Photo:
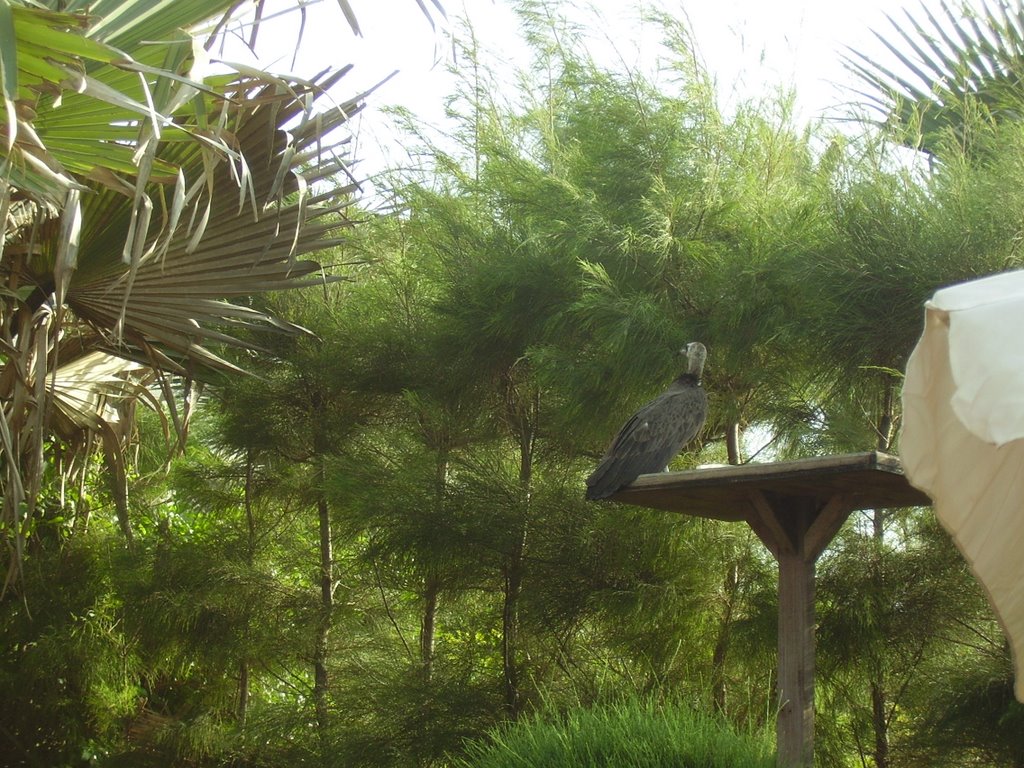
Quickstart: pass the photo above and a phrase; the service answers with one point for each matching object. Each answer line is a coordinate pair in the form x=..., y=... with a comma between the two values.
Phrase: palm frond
x=140, y=208
x=259, y=223
x=946, y=65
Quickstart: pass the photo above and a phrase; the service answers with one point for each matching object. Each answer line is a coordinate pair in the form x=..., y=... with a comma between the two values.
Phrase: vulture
x=656, y=432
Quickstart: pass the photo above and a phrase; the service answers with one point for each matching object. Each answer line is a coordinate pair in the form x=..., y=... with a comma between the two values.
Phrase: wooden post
x=796, y=531
x=794, y=728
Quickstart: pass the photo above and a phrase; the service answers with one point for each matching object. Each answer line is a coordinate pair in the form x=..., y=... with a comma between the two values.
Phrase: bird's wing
x=685, y=415
x=638, y=430
x=660, y=429
x=649, y=440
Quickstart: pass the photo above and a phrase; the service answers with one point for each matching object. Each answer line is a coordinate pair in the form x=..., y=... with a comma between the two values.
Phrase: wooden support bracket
x=764, y=521
x=826, y=525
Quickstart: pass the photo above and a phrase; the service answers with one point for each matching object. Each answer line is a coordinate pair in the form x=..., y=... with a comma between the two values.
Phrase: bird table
x=795, y=508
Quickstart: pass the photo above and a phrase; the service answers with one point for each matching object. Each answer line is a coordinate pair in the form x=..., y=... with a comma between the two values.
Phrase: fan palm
x=139, y=207
x=949, y=65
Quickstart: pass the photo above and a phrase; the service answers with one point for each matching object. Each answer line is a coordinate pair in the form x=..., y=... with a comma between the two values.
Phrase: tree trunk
x=879, y=697
x=243, y=692
x=510, y=627
x=729, y=587
x=117, y=481
x=879, y=721
x=721, y=652
x=513, y=574
x=320, y=678
x=732, y=442
x=431, y=590
x=879, y=725
x=888, y=419
x=82, y=506
x=515, y=561
x=250, y=557
x=432, y=580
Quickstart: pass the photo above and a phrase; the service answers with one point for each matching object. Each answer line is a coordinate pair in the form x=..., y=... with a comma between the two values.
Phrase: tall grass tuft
x=633, y=734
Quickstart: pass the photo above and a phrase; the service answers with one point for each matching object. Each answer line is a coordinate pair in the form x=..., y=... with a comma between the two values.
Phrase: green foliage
x=633, y=734
x=971, y=713
x=69, y=673
x=432, y=431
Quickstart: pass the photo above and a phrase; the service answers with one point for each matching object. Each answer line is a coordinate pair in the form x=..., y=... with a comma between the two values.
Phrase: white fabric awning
x=962, y=440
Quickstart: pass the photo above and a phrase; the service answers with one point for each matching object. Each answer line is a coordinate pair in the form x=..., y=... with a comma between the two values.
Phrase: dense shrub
x=629, y=735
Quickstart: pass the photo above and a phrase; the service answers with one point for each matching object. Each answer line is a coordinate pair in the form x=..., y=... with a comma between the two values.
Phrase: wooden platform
x=868, y=480
x=795, y=508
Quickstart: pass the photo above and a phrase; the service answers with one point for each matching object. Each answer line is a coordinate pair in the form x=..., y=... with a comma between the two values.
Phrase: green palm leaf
x=58, y=82
x=947, y=65
x=140, y=208
x=176, y=295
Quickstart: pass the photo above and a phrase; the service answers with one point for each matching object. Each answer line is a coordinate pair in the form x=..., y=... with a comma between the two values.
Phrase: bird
x=655, y=433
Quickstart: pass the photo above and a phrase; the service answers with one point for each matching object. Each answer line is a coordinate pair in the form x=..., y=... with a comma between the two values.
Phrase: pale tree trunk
x=879, y=690
x=243, y=709
x=732, y=442
x=514, y=569
x=879, y=723
x=888, y=418
x=432, y=580
x=118, y=483
x=730, y=588
x=510, y=625
x=320, y=652
x=250, y=556
x=431, y=591
x=82, y=506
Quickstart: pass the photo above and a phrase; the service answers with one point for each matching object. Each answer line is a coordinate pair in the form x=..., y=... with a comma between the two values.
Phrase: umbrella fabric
x=962, y=440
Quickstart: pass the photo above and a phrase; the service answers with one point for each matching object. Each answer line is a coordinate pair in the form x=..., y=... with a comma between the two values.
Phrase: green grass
x=629, y=735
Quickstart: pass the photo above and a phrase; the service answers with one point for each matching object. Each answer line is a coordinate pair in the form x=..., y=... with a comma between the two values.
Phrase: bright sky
x=750, y=46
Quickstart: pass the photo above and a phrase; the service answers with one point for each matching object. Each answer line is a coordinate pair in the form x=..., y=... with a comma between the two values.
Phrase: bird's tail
x=601, y=484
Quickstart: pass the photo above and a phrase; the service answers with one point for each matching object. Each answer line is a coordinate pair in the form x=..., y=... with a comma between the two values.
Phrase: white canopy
x=962, y=441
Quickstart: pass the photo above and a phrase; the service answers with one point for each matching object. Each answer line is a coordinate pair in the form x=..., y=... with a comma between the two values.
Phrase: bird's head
x=696, y=354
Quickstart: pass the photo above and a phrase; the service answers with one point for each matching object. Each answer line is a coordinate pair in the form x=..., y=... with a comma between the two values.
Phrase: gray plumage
x=657, y=432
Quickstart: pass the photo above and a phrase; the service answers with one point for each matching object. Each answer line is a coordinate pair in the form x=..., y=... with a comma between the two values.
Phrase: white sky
x=750, y=46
